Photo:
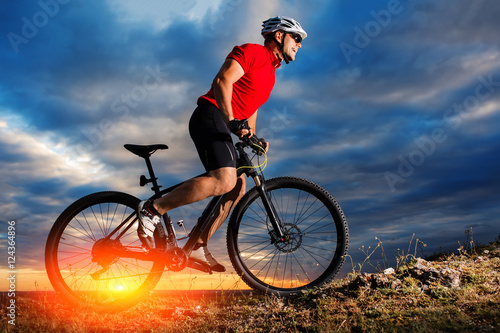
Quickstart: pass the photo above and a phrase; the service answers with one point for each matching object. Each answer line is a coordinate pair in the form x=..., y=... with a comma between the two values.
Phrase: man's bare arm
x=230, y=72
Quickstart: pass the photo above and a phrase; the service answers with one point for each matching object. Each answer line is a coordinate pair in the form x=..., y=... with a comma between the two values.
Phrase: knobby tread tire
x=286, y=183
x=53, y=241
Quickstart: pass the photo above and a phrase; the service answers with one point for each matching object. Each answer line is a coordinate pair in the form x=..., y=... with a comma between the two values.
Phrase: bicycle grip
x=255, y=141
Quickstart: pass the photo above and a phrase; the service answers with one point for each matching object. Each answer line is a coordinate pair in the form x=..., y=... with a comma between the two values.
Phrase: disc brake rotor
x=292, y=238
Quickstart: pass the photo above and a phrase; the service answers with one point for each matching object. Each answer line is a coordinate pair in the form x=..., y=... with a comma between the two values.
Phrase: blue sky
x=392, y=106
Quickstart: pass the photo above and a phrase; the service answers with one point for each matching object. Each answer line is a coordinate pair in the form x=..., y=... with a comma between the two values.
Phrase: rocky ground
x=451, y=293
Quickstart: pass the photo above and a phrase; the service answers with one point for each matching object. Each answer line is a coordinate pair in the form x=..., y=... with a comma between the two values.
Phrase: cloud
x=96, y=75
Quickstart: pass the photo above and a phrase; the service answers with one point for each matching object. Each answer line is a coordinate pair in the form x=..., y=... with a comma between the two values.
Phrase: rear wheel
x=314, y=246
x=80, y=260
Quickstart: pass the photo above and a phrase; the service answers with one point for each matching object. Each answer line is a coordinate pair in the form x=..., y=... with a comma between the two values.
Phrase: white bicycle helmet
x=284, y=23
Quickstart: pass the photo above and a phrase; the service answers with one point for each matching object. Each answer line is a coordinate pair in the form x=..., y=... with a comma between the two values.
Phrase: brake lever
x=255, y=141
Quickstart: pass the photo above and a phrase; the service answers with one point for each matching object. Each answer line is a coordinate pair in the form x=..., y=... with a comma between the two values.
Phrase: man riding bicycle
x=242, y=85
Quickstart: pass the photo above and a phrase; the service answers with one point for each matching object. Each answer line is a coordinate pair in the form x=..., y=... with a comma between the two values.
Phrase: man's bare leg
x=219, y=217
x=230, y=200
x=217, y=182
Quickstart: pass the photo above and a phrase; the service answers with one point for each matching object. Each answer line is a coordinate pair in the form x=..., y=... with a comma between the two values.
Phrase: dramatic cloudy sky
x=393, y=106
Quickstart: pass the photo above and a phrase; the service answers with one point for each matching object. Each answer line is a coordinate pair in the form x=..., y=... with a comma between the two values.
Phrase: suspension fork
x=276, y=234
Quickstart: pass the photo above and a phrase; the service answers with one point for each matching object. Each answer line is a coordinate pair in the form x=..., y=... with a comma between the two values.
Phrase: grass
x=347, y=305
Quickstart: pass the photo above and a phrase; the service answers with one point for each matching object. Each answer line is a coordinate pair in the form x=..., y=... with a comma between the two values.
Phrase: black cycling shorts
x=212, y=137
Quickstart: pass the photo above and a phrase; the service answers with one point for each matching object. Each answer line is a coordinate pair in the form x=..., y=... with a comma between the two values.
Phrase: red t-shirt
x=254, y=87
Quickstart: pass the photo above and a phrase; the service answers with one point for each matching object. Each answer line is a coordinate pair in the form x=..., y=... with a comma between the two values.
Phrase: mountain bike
x=286, y=235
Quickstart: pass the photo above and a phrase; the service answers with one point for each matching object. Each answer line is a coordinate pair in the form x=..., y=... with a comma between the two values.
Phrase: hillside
x=452, y=293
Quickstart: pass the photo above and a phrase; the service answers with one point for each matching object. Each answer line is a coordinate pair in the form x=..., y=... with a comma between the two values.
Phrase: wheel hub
x=103, y=252
x=292, y=238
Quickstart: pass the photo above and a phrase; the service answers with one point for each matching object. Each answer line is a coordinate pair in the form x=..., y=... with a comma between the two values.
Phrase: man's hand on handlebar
x=247, y=135
x=253, y=140
x=245, y=132
x=240, y=127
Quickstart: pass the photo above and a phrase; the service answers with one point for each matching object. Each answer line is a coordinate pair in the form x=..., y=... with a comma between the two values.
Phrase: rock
x=479, y=259
x=378, y=280
x=427, y=274
x=450, y=278
x=396, y=284
x=362, y=280
x=389, y=271
x=421, y=264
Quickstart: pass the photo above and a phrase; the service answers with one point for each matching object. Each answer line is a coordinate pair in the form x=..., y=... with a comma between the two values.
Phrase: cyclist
x=242, y=85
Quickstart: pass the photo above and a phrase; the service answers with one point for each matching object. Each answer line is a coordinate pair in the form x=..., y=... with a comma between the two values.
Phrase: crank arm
x=192, y=263
x=152, y=255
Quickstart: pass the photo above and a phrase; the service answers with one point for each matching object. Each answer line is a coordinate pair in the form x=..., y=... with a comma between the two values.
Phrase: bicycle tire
x=68, y=254
x=312, y=255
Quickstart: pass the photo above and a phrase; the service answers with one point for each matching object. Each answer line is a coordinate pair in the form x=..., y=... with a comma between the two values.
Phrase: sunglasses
x=297, y=38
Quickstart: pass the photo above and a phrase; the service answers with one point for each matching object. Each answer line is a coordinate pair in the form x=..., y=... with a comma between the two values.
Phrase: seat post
x=153, y=178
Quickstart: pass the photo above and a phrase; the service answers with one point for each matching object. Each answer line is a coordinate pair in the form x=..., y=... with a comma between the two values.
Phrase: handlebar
x=258, y=145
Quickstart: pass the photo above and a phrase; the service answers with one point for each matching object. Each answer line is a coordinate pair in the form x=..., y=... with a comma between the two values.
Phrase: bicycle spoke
x=84, y=229
x=77, y=247
x=255, y=236
x=91, y=230
x=99, y=224
x=313, y=256
x=317, y=238
x=253, y=255
x=73, y=273
x=302, y=268
x=262, y=215
x=312, y=225
x=267, y=264
x=251, y=226
x=90, y=240
x=251, y=247
x=73, y=256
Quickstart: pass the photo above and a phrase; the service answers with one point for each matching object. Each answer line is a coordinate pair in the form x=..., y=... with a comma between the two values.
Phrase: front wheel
x=80, y=256
x=313, y=249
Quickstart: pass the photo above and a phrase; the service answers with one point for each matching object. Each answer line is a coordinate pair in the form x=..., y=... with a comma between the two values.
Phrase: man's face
x=291, y=46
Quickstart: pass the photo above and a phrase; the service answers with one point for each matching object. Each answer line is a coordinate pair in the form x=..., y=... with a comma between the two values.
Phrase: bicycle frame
x=245, y=166
x=214, y=204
